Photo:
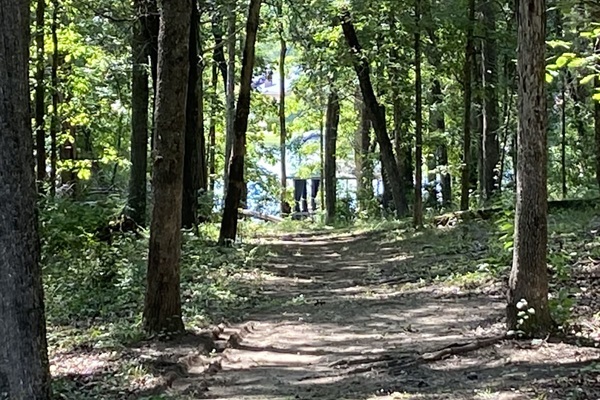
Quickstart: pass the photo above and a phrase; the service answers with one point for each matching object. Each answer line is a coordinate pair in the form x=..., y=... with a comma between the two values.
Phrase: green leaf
x=558, y=43
x=577, y=62
x=596, y=97
x=549, y=78
x=587, y=79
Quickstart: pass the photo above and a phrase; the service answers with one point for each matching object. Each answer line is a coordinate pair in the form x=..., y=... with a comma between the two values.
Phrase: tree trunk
x=402, y=141
x=192, y=149
x=332, y=121
x=468, y=68
x=363, y=162
x=230, y=93
x=219, y=52
x=597, y=119
x=528, y=279
x=162, y=310
x=563, y=144
x=40, y=93
x=377, y=116
x=438, y=124
x=212, y=130
x=24, y=369
x=282, y=127
x=236, y=169
x=491, y=125
x=418, y=210
x=54, y=123
x=152, y=24
x=136, y=200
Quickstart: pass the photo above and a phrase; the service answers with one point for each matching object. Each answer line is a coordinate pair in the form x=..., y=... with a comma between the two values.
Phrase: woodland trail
x=349, y=310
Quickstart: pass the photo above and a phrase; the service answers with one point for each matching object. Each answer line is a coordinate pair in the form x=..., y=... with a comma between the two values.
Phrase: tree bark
x=528, y=279
x=230, y=92
x=468, y=68
x=212, y=130
x=563, y=144
x=376, y=115
x=152, y=24
x=236, y=169
x=192, y=161
x=40, y=93
x=332, y=121
x=162, y=310
x=363, y=162
x=282, y=116
x=597, y=118
x=418, y=206
x=491, y=125
x=54, y=123
x=136, y=200
x=24, y=369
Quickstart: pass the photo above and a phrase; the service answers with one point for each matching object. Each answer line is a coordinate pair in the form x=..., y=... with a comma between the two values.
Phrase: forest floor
x=360, y=315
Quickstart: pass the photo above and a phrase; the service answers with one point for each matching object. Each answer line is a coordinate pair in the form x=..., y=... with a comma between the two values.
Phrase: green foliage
x=95, y=290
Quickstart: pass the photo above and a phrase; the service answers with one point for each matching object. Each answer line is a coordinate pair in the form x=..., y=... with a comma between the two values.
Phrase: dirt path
x=343, y=300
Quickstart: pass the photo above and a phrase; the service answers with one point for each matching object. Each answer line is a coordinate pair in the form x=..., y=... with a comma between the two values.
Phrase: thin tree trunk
x=332, y=121
x=364, y=164
x=563, y=146
x=40, y=93
x=491, y=152
x=418, y=210
x=438, y=124
x=24, y=369
x=377, y=117
x=230, y=92
x=152, y=24
x=219, y=52
x=192, y=149
x=136, y=200
x=212, y=131
x=162, y=309
x=528, y=283
x=507, y=121
x=282, y=127
x=468, y=68
x=597, y=119
x=236, y=171
x=54, y=123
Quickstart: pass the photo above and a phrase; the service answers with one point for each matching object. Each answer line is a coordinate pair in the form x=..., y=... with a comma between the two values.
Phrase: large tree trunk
x=136, y=200
x=54, y=123
x=418, y=210
x=491, y=125
x=230, y=116
x=192, y=152
x=332, y=121
x=40, y=93
x=528, y=279
x=376, y=115
x=24, y=370
x=236, y=169
x=162, y=310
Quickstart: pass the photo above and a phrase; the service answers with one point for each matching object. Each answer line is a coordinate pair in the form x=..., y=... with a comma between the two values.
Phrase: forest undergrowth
x=95, y=292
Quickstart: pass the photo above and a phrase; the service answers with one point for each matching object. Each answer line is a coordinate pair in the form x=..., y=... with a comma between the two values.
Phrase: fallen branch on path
x=460, y=348
x=264, y=217
x=394, y=363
